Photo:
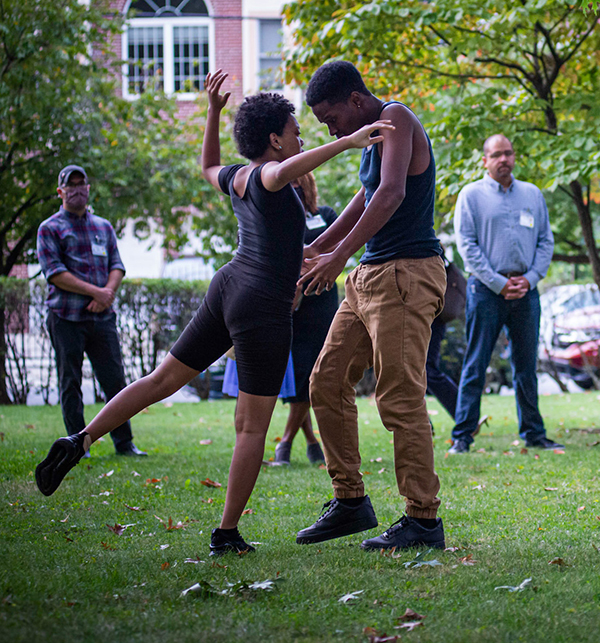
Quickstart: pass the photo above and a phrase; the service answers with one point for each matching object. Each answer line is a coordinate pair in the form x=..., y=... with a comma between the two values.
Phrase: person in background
x=504, y=236
x=312, y=318
x=78, y=253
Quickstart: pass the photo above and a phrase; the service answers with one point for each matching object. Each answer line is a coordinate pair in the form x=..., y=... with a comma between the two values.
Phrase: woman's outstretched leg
x=65, y=453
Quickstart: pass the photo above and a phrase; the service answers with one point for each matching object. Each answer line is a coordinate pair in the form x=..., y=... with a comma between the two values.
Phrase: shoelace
x=395, y=526
x=327, y=509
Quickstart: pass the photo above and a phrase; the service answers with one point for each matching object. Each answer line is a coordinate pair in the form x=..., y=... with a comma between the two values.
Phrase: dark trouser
x=100, y=341
x=438, y=383
x=486, y=314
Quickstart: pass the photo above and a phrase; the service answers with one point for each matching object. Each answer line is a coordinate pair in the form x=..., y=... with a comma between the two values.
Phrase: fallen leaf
x=322, y=466
x=559, y=451
x=165, y=566
x=210, y=483
x=135, y=473
x=558, y=561
x=452, y=549
x=481, y=451
x=277, y=439
x=116, y=528
x=375, y=637
x=581, y=508
x=507, y=453
x=411, y=615
x=107, y=475
x=417, y=562
x=107, y=546
x=165, y=546
x=65, y=518
x=550, y=488
x=205, y=442
x=381, y=470
x=133, y=508
x=366, y=473
x=595, y=444
x=524, y=451
x=194, y=561
x=350, y=597
x=105, y=493
x=536, y=456
x=208, y=501
x=410, y=626
x=29, y=426
x=515, y=443
x=519, y=588
x=247, y=511
x=479, y=487
x=467, y=560
x=376, y=459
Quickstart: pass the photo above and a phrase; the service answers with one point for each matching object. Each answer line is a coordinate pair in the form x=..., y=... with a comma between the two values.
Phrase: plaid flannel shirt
x=84, y=246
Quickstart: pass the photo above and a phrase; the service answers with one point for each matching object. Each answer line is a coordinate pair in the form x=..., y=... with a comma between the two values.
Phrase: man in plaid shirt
x=79, y=257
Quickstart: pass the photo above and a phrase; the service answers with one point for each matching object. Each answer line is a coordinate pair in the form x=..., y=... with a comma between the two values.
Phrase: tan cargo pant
x=384, y=322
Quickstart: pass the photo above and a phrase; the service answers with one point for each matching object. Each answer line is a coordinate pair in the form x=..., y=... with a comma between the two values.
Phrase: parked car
x=570, y=332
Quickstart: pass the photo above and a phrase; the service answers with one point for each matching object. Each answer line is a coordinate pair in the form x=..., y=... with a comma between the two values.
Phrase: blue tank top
x=409, y=232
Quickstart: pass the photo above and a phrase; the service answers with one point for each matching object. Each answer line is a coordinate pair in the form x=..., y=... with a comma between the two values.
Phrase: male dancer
x=392, y=298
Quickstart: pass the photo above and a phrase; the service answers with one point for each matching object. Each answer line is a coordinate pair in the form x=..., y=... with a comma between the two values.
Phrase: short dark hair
x=334, y=82
x=258, y=117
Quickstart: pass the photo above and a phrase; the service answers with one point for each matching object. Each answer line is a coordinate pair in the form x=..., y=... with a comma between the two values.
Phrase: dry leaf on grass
x=107, y=475
x=410, y=615
x=559, y=451
x=247, y=511
x=467, y=560
x=205, y=442
x=165, y=566
x=524, y=451
x=65, y=518
x=515, y=443
x=210, y=483
x=410, y=626
x=537, y=456
x=194, y=561
x=208, y=501
x=107, y=546
x=346, y=598
x=558, y=561
x=581, y=508
x=164, y=546
x=133, y=508
x=518, y=588
x=381, y=470
x=118, y=529
x=550, y=488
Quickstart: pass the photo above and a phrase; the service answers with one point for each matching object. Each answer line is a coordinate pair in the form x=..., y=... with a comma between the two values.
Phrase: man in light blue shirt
x=504, y=237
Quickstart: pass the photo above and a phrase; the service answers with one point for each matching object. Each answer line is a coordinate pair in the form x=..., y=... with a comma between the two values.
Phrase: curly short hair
x=334, y=82
x=258, y=117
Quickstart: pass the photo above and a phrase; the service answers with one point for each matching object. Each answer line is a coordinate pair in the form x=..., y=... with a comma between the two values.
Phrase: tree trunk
x=4, y=398
x=587, y=228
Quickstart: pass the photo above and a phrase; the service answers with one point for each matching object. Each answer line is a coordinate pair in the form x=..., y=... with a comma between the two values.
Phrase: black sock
x=228, y=532
x=351, y=502
x=428, y=523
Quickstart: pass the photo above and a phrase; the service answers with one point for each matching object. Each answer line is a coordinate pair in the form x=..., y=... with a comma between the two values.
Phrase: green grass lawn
x=64, y=576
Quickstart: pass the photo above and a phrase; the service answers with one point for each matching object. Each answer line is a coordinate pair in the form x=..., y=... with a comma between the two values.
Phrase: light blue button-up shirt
x=503, y=230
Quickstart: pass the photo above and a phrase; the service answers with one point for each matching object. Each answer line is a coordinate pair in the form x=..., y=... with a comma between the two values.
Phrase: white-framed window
x=269, y=53
x=168, y=46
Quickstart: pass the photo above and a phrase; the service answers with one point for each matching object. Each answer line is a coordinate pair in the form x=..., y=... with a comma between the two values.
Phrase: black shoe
x=64, y=454
x=407, y=532
x=130, y=449
x=314, y=453
x=339, y=520
x=282, y=452
x=459, y=446
x=545, y=443
x=221, y=543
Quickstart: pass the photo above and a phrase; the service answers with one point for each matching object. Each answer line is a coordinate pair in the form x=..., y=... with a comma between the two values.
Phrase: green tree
x=472, y=68
x=59, y=104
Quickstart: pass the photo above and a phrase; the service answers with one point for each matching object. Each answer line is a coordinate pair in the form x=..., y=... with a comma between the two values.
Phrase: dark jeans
x=486, y=314
x=438, y=383
x=100, y=341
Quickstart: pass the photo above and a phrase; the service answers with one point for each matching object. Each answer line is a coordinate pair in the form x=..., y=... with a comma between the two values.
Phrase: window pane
x=190, y=45
x=146, y=64
x=166, y=8
x=270, y=37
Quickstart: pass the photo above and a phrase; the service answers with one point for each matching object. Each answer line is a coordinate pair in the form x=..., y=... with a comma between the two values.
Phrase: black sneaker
x=64, y=454
x=129, y=449
x=459, y=446
x=222, y=543
x=406, y=533
x=339, y=520
x=544, y=443
x=282, y=452
x=314, y=453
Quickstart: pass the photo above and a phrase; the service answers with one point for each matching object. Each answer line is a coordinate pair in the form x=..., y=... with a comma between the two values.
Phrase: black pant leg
x=68, y=340
x=104, y=351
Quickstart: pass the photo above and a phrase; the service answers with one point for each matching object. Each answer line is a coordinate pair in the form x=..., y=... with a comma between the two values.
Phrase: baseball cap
x=65, y=173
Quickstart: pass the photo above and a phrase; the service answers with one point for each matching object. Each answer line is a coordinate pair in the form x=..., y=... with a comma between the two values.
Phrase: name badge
x=312, y=223
x=526, y=219
x=98, y=250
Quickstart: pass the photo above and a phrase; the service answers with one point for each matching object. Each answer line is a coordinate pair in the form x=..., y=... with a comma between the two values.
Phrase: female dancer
x=249, y=301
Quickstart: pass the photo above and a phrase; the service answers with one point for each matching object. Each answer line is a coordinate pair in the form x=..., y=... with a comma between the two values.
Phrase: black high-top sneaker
x=64, y=454
x=223, y=541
